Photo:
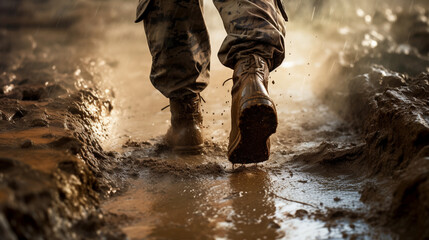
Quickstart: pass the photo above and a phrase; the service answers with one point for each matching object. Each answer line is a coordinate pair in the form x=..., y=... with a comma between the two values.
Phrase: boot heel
x=257, y=122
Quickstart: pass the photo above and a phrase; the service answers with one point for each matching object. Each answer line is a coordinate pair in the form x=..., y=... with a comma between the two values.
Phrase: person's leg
x=253, y=47
x=179, y=45
x=180, y=49
x=253, y=27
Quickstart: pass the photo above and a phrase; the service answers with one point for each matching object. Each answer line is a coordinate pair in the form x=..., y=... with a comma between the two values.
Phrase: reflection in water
x=183, y=212
x=241, y=204
x=253, y=209
x=238, y=209
x=237, y=206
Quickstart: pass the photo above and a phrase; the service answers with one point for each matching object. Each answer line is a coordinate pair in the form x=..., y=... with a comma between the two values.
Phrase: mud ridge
x=386, y=88
x=53, y=171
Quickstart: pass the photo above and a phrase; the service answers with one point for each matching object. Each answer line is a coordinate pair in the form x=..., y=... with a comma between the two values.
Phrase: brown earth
x=386, y=89
x=80, y=158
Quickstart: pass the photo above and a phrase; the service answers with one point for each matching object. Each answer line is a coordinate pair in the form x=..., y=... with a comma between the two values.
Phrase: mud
x=82, y=154
x=53, y=169
x=387, y=93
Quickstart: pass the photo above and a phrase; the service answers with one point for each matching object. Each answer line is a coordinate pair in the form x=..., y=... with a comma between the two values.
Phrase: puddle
x=250, y=203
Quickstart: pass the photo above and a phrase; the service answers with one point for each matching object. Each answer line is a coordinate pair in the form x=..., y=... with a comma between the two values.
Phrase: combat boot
x=185, y=133
x=253, y=113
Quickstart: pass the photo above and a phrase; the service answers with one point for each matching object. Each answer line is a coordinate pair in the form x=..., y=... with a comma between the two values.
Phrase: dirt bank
x=383, y=77
x=53, y=171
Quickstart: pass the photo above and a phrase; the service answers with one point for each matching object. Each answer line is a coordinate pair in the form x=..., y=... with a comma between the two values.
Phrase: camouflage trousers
x=179, y=42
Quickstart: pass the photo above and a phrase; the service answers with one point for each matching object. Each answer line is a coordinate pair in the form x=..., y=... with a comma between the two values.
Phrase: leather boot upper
x=250, y=79
x=185, y=133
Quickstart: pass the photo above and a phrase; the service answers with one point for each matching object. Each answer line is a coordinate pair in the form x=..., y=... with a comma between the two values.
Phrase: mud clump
x=330, y=154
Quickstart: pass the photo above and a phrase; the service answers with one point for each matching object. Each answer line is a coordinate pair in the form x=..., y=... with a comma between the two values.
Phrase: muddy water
x=177, y=197
x=252, y=203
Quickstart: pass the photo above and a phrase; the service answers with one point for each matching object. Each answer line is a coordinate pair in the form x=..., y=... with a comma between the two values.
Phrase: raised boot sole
x=257, y=122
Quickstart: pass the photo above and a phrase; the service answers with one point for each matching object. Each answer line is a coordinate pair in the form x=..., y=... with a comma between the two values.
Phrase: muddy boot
x=254, y=116
x=185, y=133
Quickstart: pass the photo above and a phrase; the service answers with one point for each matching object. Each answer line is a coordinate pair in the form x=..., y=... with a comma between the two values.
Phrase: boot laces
x=189, y=105
x=249, y=65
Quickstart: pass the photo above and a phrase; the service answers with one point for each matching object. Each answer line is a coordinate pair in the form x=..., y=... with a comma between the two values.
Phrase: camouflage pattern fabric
x=179, y=42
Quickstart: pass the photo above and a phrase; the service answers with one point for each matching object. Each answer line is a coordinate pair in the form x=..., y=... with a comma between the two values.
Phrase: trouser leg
x=179, y=45
x=253, y=27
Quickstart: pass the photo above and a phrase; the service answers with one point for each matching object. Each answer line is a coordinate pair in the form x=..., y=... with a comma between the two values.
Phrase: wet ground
x=205, y=196
x=316, y=184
